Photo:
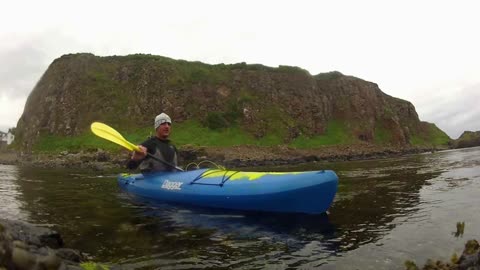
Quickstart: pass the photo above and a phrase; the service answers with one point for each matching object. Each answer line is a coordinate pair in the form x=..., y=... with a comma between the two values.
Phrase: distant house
x=10, y=137
x=6, y=138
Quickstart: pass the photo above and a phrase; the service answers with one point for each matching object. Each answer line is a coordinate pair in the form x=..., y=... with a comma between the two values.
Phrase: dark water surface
x=385, y=212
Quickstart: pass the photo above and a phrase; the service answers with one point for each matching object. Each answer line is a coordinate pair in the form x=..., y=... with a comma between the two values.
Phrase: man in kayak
x=158, y=146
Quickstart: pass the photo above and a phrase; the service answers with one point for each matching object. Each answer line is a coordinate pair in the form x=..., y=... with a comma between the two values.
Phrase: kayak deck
x=293, y=192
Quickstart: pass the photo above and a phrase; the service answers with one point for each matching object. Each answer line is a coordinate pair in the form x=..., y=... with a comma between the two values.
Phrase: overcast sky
x=426, y=52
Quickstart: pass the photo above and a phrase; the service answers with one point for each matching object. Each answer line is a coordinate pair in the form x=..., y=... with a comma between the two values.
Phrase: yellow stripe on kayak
x=235, y=175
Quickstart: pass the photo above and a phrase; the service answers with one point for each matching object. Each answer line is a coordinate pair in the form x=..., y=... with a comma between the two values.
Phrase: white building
x=10, y=137
x=6, y=138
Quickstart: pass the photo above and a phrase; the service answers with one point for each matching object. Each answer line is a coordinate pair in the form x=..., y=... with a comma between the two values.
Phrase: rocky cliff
x=288, y=102
x=467, y=139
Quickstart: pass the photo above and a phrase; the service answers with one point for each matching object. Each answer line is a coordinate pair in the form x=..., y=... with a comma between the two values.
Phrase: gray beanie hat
x=162, y=118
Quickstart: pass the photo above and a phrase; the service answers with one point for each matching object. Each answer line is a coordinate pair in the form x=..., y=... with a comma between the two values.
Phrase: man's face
x=163, y=131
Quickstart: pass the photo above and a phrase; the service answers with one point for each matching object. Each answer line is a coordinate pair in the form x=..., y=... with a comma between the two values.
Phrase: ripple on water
x=12, y=206
x=385, y=212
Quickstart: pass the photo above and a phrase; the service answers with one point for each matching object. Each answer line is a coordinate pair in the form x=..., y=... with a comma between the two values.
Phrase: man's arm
x=137, y=157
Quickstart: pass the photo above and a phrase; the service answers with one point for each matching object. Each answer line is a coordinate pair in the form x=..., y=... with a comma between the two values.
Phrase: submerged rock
x=25, y=246
x=469, y=260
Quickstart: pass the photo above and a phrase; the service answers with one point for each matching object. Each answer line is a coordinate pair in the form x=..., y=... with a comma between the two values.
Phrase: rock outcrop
x=287, y=101
x=469, y=260
x=26, y=247
x=467, y=139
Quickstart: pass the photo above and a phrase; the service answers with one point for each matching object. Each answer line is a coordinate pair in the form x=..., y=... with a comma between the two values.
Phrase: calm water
x=386, y=211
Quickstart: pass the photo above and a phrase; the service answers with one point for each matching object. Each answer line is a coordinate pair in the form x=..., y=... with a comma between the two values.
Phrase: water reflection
x=11, y=206
x=228, y=239
x=372, y=194
x=383, y=207
x=460, y=229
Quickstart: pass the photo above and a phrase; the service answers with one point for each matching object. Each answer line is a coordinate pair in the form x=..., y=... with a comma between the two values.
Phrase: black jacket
x=163, y=150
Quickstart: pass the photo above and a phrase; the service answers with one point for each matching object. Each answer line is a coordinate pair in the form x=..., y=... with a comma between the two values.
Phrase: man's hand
x=139, y=155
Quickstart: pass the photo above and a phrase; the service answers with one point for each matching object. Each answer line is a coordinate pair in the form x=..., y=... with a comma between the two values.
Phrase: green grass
x=382, y=135
x=93, y=266
x=336, y=133
x=186, y=133
x=277, y=125
x=193, y=133
x=87, y=141
x=55, y=144
x=469, y=135
x=434, y=136
x=269, y=140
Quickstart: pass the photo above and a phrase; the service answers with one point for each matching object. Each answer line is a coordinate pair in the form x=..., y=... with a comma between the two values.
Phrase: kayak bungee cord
x=197, y=165
x=225, y=178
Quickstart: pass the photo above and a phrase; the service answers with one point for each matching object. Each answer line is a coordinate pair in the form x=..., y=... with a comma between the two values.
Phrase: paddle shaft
x=164, y=162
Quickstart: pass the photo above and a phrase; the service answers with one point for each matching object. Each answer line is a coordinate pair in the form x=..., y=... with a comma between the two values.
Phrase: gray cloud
x=21, y=68
x=24, y=58
x=457, y=113
x=31, y=51
x=4, y=128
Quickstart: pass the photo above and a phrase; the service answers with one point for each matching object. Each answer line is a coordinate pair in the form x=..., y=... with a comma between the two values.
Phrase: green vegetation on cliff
x=467, y=139
x=191, y=133
x=211, y=105
x=432, y=137
x=336, y=133
x=194, y=133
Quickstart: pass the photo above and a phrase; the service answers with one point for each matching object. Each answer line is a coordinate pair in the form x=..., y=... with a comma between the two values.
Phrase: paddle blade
x=108, y=133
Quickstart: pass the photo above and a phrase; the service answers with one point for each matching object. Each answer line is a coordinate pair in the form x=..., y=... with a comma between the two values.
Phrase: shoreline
x=8, y=158
x=28, y=246
x=229, y=157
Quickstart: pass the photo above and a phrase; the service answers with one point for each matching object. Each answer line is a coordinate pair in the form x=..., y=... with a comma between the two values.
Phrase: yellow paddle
x=106, y=132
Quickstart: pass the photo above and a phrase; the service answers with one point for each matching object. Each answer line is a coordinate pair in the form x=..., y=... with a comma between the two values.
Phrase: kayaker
x=158, y=146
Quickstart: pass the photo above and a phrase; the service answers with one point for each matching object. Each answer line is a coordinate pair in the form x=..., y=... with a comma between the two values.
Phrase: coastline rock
x=229, y=157
x=284, y=102
x=8, y=157
x=25, y=246
x=469, y=260
x=467, y=139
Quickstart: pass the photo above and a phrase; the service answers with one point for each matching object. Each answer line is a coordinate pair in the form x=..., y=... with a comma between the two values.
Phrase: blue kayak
x=309, y=192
